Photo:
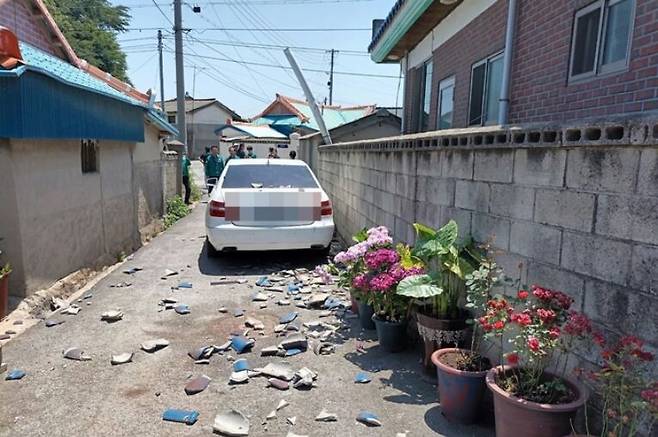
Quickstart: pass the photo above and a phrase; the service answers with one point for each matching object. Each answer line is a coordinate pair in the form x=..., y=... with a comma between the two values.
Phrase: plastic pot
x=518, y=417
x=392, y=335
x=365, y=315
x=460, y=392
x=438, y=334
x=355, y=304
x=4, y=295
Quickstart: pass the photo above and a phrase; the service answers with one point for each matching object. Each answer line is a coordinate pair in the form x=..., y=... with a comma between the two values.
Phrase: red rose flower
x=533, y=344
x=523, y=294
x=499, y=325
x=513, y=359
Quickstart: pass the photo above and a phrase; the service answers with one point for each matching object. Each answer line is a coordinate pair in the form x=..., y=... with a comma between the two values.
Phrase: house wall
x=578, y=216
x=148, y=177
x=201, y=128
x=66, y=220
x=540, y=90
x=16, y=16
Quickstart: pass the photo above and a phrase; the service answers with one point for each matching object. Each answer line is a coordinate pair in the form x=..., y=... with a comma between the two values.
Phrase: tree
x=91, y=27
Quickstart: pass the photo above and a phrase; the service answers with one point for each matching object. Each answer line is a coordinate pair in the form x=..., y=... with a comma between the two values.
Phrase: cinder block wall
x=573, y=208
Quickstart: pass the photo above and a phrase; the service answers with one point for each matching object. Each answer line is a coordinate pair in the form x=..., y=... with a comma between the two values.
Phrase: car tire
x=325, y=251
x=210, y=249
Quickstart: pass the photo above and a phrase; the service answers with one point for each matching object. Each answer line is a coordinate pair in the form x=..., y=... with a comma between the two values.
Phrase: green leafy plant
x=5, y=270
x=196, y=191
x=446, y=265
x=176, y=210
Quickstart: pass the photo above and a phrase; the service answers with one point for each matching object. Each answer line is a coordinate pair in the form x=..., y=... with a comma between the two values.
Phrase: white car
x=268, y=204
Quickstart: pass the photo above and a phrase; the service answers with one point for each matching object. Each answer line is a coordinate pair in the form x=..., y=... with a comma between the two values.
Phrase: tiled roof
x=254, y=130
x=196, y=104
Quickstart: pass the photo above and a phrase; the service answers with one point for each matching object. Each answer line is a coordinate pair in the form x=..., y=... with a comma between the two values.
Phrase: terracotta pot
x=365, y=315
x=460, y=392
x=437, y=334
x=517, y=417
x=4, y=295
x=392, y=335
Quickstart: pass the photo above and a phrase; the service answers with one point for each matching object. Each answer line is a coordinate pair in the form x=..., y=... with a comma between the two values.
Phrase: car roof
x=265, y=161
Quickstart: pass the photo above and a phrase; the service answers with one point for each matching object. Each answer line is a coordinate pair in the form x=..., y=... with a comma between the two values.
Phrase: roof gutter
x=408, y=15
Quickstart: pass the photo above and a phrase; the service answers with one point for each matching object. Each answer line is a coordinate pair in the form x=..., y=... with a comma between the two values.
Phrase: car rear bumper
x=231, y=237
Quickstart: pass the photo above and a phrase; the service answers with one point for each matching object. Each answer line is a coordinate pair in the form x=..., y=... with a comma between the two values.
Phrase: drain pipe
x=503, y=109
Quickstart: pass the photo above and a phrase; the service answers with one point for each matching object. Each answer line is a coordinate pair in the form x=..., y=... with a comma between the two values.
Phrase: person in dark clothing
x=232, y=153
x=292, y=154
x=213, y=168
x=250, y=153
x=204, y=155
x=241, y=153
x=185, y=164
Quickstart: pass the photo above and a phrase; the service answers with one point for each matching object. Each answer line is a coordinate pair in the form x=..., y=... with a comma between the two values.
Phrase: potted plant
x=461, y=372
x=353, y=264
x=384, y=269
x=628, y=399
x=530, y=399
x=441, y=320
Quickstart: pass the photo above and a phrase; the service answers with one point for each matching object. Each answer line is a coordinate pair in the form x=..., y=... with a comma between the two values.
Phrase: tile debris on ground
x=271, y=348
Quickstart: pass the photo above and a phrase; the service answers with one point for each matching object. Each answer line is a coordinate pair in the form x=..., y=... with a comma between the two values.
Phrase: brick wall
x=579, y=213
x=17, y=17
x=540, y=91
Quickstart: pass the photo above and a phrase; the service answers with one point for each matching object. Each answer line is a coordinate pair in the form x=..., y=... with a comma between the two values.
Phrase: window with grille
x=89, y=156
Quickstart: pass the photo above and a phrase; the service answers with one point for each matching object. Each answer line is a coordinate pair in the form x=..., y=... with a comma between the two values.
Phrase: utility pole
x=331, y=79
x=180, y=73
x=309, y=96
x=162, y=98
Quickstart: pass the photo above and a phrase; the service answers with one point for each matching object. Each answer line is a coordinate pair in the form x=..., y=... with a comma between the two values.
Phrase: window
x=601, y=38
x=486, y=79
x=171, y=119
x=446, y=103
x=425, y=96
x=88, y=156
x=268, y=176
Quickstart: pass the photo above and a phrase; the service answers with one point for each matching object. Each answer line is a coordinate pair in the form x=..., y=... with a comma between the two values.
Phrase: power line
x=259, y=3
x=162, y=12
x=312, y=70
x=263, y=29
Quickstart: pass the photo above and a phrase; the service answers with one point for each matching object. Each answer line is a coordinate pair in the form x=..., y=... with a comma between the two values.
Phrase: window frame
x=89, y=163
x=443, y=85
x=485, y=88
x=599, y=69
x=422, y=93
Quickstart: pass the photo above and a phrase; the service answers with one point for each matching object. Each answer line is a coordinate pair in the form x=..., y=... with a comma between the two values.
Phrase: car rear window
x=268, y=176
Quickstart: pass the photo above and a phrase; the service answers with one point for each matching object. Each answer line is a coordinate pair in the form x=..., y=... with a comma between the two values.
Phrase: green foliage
x=360, y=236
x=176, y=210
x=447, y=266
x=196, y=191
x=5, y=270
x=91, y=27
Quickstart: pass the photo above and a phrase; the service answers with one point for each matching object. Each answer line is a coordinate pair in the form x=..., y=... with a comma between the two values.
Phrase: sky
x=219, y=62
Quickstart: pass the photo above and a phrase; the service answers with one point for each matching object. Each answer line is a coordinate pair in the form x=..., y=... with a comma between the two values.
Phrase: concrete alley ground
x=94, y=398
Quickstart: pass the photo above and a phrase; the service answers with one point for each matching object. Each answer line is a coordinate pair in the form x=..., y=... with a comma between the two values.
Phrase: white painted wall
x=463, y=14
x=212, y=114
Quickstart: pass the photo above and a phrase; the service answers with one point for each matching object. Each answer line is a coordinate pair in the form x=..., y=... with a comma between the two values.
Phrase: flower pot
x=438, y=334
x=460, y=392
x=4, y=295
x=365, y=315
x=355, y=304
x=392, y=335
x=518, y=417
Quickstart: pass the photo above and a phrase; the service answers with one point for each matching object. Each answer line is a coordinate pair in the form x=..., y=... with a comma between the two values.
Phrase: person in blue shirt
x=213, y=168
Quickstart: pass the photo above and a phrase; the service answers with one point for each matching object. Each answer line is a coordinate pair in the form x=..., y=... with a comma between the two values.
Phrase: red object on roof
x=10, y=53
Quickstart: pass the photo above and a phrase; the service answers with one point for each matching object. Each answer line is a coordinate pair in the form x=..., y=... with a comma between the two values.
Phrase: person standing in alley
x=232, y=153
x=204, y=155
x=292, y=154
x=185, y=164
x=240, y=151
x=250, y=153
x=213, y=168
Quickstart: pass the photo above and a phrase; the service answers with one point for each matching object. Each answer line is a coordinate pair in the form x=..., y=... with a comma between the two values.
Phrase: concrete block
x=405, y=185
x=404, y=208
x=515, y=268
x=441, y=191
x=472, y=195
x=429, y=163
x=536, y=241
x=461, y=216
x=557, y=279
x=428, y=214
x=496, y=230
x=602, y=169
x=621, y=309
x=512, y=201
x=539, y=166
x=647, y=182
x=494, y=165
x=569, y=209
x=457, y=164
x=403, y=231
x=596, y=256
x=644, y=273
x=628, y=217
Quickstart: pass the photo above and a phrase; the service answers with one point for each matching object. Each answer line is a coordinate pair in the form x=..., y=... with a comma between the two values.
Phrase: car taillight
x=217, y=209
x=325, y=208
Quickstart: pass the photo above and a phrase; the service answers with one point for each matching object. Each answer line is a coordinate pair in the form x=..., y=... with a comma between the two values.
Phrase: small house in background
x=80, y=166
x=260, y=138
x=202, y=118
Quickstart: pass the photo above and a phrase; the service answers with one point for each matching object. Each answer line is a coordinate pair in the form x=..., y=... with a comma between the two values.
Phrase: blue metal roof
x=42, y=95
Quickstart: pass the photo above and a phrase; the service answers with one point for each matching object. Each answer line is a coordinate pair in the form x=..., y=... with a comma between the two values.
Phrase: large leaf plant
x=447, y=265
